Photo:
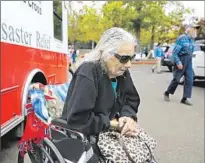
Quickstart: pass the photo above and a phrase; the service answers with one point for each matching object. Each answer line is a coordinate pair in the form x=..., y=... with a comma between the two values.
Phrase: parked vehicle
x=167, y=60
x=34, y=48
x=198, y=61
x=138, y=56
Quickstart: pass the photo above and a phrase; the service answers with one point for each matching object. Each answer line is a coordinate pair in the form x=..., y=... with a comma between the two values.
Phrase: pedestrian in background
x=158, y=54
x=182, y=56
x=150, y=54
x=74, y=56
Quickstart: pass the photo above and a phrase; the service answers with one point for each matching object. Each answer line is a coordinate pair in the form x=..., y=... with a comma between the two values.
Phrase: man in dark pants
x=182, y=56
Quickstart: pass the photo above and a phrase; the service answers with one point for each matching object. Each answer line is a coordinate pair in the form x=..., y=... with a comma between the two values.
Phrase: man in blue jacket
x=182, y=56
x=158, y=54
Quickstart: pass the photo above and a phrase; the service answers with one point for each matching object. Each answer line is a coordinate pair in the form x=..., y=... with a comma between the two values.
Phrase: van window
x=171, y=49
x=57, y=19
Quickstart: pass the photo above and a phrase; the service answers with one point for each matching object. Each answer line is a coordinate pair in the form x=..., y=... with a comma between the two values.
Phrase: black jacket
x=91, y=103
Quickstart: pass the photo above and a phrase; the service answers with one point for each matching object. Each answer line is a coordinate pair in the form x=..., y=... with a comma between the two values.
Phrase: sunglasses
x=124, y=58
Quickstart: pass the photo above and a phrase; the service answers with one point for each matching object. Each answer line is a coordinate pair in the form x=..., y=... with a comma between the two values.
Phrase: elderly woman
x=102, y=89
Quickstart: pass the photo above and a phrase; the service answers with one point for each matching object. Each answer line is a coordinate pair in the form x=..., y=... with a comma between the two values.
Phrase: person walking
x=74, y=56
x=182, y=56
x=158, y=54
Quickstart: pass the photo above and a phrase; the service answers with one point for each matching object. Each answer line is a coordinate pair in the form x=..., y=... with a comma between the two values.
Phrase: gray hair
x=109, y=43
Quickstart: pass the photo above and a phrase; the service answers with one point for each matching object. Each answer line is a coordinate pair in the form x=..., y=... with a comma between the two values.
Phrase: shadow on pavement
x=8, y=140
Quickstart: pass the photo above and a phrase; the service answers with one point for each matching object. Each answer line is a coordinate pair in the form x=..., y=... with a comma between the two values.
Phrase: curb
x=149, y=62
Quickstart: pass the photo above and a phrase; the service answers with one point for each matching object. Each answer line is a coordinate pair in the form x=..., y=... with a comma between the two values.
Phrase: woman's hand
x=128, y=126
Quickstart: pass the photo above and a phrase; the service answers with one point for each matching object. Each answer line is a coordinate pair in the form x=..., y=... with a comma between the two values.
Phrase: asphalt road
x=178, y=129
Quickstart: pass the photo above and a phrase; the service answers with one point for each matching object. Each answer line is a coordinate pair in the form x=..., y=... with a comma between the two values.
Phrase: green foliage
x=118, y=14
x=145, y=39
x=90, y=24
x=148, y=20
x=174, y=22
x=150, y=16
x=73, y=25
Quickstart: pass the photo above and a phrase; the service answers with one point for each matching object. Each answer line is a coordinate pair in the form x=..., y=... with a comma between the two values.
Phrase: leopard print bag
x=121, y=149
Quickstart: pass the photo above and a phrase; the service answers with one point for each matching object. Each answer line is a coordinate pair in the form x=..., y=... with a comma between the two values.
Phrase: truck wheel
x=36, y=76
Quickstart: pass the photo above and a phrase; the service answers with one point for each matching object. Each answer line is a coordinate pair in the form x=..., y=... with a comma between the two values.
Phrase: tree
x=90, y=24
x=201, y=31
x=146, y=19
x=152, y=17
x=155, y=20
x=73, y=24
x=175, y=21
x=118, y=14
x=149, y=14
x=146, y=35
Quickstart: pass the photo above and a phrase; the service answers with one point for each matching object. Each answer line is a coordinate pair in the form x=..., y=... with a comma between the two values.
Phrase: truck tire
x=36, y=76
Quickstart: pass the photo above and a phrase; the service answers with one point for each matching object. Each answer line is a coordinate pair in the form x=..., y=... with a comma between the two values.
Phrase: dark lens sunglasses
x=124, y=58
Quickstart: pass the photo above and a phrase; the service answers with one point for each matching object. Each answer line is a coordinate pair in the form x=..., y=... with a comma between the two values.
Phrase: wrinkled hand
x=180, y=66
x=128, y=126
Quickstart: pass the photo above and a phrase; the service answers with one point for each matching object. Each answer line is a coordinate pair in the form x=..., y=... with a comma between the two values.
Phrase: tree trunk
x=138, y=37
x=73, y=44
x=152, y=37
x=137, y=25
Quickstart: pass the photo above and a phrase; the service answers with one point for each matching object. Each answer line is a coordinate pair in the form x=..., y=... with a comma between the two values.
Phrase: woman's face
x=120, y=61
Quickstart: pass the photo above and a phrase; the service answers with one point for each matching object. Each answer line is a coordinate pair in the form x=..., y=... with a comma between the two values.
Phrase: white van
x=198, y=60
